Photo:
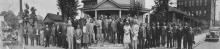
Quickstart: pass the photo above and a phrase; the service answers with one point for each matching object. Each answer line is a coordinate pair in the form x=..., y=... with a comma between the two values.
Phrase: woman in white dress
x=78, y=36
x=70, y=33
x=127, y=30
x=135, y=30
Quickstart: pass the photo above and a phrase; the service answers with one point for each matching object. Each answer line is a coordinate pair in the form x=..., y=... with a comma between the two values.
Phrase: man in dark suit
x=179, y=36
x=154, y=36
x=185, y=30
x=25, y=36
x=148, y=42
x=164, y=34
x=47, y=36
x=59, y=37
x=190, y=38
x=63, y=36
x=169, y=36
x=120, y=31
x=175, y=32
x=149, y=38
x=142, y=36
x=158, y=34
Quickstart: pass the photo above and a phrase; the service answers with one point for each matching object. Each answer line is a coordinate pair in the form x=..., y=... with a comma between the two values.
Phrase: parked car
x=212, y=36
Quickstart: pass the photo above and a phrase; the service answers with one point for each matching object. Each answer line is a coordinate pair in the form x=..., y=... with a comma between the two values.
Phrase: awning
x=201, y=21
x=172, y=9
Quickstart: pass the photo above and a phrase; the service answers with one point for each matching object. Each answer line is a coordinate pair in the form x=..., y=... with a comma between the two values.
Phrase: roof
x=52, y=18
x=111, y=1
x=122, y=6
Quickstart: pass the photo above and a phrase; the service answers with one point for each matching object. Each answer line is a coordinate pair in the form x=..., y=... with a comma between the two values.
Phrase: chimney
x=58, y=13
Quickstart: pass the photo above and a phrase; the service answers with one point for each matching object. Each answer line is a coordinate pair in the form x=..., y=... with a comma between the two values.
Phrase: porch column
x=119, y=13
x=96, y=14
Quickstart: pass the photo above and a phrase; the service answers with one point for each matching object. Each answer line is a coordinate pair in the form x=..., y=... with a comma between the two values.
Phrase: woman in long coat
x=85, y=38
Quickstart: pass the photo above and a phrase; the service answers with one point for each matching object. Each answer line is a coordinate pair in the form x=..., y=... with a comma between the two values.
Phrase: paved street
x=208, y=45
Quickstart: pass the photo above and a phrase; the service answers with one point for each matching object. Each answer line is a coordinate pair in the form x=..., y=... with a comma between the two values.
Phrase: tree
x=26, y=14
x=68, y=8
x=3, y=13
x=160, y=11
x=135, y=8
x=10, y=18
x=33, y=16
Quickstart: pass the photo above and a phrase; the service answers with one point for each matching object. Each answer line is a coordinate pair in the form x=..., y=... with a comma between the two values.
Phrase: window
x=190, y=4
x=189, y=13
x=200, y=12
x=185, y=3
x=178, y=3
x=201, y=2
x=192, y=13
x=196, y=13
x=205, y=2
x=181, y=3
x=197, y=3
x=205, y=12
x=193, y=3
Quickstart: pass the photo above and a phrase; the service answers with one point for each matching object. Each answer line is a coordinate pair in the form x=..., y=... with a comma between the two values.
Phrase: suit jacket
x=142, y=33
x=64, y=30
x=46, y=33
x=190, y=35
x=164, y=31
x=120, y=28
x=158, y=30
x=114, y=25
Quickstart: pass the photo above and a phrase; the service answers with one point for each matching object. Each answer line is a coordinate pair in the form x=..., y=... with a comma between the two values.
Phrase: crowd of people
x=130, y=31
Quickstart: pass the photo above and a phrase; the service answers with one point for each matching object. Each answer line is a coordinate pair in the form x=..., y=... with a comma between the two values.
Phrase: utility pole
x=214, y=21
x=21, y=9
x=21, y=23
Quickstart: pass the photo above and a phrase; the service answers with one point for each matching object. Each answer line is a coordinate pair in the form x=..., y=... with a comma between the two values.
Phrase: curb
x=200, y=42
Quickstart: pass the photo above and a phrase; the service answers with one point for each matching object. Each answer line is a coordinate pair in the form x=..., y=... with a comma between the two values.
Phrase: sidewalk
x=42, y=47
x=29, y=47
x=198, y=40
x=107, y=45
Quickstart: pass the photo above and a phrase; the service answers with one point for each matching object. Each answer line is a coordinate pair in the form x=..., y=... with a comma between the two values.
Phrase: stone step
x=107, y=46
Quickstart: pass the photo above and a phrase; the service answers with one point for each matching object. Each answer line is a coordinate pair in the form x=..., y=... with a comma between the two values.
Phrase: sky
x=50, y=6
x=43, y=6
